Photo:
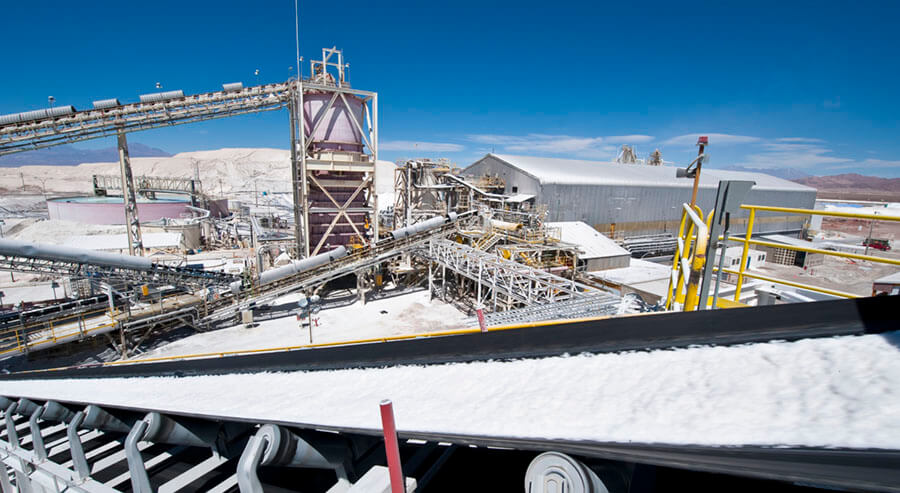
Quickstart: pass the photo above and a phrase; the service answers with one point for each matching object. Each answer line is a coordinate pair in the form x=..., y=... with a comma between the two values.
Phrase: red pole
x=391, y=448
x=479, y=310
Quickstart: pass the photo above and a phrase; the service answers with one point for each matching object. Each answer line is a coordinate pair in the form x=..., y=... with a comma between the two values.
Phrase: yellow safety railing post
x=676, y=259
x=690, y=255
x=743, y=266
x=697, y=263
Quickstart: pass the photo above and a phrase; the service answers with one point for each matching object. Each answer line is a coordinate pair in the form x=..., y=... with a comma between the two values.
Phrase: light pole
x=51, y=100
x=53, y=286
x=869, y=238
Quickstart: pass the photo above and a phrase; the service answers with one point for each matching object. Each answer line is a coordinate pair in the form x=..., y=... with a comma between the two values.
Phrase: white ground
x=27, y=290
x=837, y=392
x=891, y=209
x=57, y=232
x=406, y=314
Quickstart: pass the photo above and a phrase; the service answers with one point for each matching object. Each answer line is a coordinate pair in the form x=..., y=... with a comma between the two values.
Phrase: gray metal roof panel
x=580, y=172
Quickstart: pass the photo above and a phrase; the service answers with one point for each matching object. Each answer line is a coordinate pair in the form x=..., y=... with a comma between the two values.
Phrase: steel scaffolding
x=596, y=305
x=508, y=283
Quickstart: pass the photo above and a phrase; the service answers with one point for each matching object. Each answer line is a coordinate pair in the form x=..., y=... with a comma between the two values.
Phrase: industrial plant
x=319, y=319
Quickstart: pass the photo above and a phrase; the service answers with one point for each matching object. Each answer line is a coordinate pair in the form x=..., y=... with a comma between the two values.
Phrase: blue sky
x=807, y=85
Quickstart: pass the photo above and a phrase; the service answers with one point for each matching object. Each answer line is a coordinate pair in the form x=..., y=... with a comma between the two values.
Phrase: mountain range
x=69, y=155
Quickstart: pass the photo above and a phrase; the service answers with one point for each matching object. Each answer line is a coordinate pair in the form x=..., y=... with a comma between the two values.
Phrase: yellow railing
x=690, y=252
x=690, y=256
x=747, y=240
x=53, y=330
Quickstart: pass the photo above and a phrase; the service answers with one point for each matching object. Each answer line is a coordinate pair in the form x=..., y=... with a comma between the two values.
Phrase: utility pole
x=869, y=238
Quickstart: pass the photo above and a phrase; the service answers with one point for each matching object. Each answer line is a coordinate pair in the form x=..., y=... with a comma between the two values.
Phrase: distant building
x=732, y=260
x=596, y=252
x=785, y=256
x=628, y=200
x=889, y=284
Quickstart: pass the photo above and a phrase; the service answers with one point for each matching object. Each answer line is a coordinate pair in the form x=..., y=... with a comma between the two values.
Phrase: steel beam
x=132, y=222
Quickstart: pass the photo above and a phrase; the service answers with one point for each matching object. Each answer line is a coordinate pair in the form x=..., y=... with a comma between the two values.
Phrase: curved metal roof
x=579, y=172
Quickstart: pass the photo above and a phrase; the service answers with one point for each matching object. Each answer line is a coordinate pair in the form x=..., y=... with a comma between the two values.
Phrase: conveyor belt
x=853, y=469
x=844, y=468
x=638, y=332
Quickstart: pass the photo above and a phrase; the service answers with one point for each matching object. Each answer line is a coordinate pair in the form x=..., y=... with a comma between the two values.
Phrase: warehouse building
x=629, y=200
x=595, y=251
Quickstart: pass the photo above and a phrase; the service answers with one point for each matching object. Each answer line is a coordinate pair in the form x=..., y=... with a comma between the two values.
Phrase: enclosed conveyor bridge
x=21, y=256
x=66, y=125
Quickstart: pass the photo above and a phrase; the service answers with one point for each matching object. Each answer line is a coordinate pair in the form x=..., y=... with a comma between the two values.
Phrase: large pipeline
x=41, y=251
x=321, y=259
x=434, y=222
x=295, y=267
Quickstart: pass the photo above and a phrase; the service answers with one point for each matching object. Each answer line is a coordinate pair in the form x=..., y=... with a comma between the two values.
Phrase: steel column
x=132, y=222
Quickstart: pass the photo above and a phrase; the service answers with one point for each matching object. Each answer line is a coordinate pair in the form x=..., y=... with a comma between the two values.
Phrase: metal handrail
x=747, y=240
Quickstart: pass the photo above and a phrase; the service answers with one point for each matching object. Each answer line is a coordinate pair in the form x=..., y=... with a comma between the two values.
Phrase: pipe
x=15, y=248
x=295, y=267
x=414, y=229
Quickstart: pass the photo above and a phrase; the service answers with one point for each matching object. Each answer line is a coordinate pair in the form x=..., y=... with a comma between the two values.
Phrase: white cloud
x=801, y=139
x=793, y=154
x=870, y=163
x=714, y=139
x=411, y=145
x=590, y=147
x=629, y=139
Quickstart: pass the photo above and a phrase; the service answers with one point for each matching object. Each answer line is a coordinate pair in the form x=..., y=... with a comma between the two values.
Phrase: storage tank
x=110, y=210
x=337, y=131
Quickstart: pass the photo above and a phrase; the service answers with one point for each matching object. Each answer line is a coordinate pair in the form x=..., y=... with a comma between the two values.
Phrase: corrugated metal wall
x=636, y=210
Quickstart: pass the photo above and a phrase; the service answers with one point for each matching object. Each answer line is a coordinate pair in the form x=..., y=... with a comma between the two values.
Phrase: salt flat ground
x=410, y=313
